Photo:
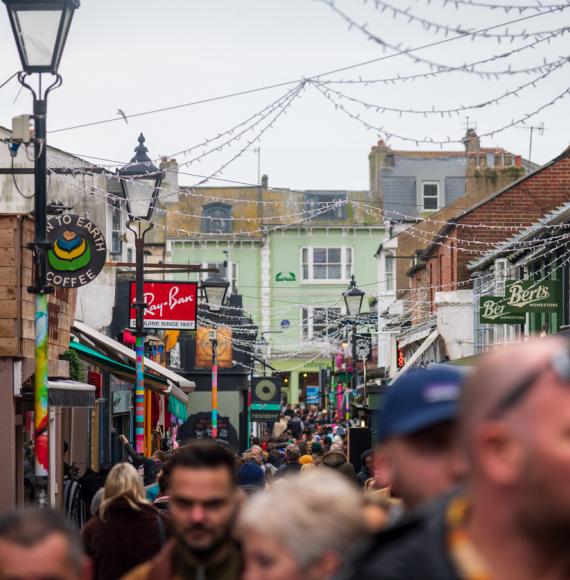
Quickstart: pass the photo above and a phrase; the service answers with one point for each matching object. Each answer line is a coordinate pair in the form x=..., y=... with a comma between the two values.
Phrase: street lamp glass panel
x=140, y=195
x=40, y=28
x=215, y=290
x=353, y=297
x=353, y=304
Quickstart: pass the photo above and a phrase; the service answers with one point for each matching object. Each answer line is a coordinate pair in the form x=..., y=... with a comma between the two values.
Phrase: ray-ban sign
x=170, y=305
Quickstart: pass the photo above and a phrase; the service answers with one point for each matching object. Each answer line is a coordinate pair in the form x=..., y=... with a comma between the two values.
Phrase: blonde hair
x=312, y=515
x=308, y=468
x=123, y=482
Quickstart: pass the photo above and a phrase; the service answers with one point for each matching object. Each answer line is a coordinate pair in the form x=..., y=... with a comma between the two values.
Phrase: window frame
x=307, y=323
x=116, y=230
x=389, y=277
x=226, y=219
x=346, y=267
x=437, y=197
x=313, y=199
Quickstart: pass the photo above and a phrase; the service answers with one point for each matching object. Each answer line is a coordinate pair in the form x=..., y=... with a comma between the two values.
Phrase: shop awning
x=67, y=393
x=115, y=347
x=421, y=350
x=127, y=372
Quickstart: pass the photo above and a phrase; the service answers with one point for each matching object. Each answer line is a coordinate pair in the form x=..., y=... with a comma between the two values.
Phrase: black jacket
x=414, y=549
x=287, y=469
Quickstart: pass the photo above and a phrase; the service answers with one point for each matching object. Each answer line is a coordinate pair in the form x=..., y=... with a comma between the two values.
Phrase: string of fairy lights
x=292, y=211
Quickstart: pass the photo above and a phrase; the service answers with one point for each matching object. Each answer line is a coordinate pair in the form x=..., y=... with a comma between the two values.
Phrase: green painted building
x=290, y=255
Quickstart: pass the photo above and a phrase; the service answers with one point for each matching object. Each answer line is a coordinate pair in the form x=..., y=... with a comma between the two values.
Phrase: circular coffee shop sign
x=78, y=251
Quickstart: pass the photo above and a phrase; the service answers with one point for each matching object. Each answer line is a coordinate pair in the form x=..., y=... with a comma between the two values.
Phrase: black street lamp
x=353, y=297
x=215, y=289
x=140, y=181
x=40, y=29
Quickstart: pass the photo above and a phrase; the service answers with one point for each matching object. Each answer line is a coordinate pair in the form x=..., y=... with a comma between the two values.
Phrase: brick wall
x=520, y=205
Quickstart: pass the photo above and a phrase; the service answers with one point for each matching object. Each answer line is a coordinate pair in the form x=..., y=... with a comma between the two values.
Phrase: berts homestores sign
x=169, y=305
x=521, y=297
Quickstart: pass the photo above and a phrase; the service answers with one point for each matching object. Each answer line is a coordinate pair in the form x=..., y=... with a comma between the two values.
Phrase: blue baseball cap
x=419, y=399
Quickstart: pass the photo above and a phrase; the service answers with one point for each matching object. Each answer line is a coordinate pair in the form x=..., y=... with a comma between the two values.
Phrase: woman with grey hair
x=303, y=528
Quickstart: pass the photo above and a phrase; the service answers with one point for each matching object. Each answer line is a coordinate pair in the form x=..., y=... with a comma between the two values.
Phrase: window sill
x=325, y=282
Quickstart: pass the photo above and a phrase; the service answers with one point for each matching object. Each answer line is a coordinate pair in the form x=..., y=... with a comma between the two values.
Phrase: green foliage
x=76, y=372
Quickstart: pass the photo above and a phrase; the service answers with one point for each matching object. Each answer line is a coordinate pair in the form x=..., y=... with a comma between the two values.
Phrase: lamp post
x=140, y=182
x=353, y=297
x=40, y=29
x=215, y=289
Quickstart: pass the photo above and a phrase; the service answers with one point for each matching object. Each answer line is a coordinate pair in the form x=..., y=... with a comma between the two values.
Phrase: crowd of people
x=467, y=480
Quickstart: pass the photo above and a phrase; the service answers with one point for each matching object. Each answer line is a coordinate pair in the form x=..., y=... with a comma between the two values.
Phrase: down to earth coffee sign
x=77, y=253
x=521, y=297
x=169, y=305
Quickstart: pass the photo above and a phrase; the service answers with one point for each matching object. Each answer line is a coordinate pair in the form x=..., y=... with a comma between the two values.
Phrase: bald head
x=498, y=372
x=518, y=445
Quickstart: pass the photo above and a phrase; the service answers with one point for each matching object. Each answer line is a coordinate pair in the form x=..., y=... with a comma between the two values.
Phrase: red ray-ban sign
x=170, y=305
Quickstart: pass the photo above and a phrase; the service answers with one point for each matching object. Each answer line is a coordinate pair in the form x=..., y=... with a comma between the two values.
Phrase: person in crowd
x=149, y=466
x=251, y=478
x=296, y=425
x=126, y=529
x=40, y=544
x=280, y=426
x=336, y=459
x=162, y=501
x=255, y=453
x=301, y=529
x=204, y=502
x=317, y=452
x=418, y=455
x=275, y=459
x=308, y=468
x=377, y=511
x=367, y=470
x=291, y=465
x=512, y=520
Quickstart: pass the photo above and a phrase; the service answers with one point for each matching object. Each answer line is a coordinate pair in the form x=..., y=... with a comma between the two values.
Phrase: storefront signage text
x=521, y=297
x=77, y=253
x=170, y=305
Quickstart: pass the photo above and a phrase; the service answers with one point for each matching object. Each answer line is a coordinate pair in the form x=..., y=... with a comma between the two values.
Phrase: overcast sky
x=138, y=55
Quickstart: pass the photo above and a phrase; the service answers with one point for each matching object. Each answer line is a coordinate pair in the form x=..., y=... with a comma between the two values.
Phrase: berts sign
x=170, y=305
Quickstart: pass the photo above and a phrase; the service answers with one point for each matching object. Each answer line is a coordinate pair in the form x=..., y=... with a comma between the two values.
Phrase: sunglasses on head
x=559, y=363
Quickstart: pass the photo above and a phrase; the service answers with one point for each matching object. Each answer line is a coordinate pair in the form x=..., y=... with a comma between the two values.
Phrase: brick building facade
x=443, y=265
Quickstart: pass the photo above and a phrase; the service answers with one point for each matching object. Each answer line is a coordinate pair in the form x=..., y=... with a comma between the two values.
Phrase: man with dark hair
x=291, y=465
x=40, y=545
x=204, y=501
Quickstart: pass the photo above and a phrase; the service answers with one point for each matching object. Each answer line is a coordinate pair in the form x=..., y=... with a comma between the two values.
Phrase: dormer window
x=217, y=218
x=326, y=205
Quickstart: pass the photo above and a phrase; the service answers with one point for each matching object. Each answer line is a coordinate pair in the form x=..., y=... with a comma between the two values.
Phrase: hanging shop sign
x=495, y=310
x=199, y=426
x=363, y=346
x=260, y=413
x=521, y=297
x=170, y=305
x=285, y=277
x=313, y=395
x=532, y=296
x=224, y=350
x=77, y=253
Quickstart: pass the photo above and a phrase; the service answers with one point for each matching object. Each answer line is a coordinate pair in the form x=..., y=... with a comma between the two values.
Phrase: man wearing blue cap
x=418, y=455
